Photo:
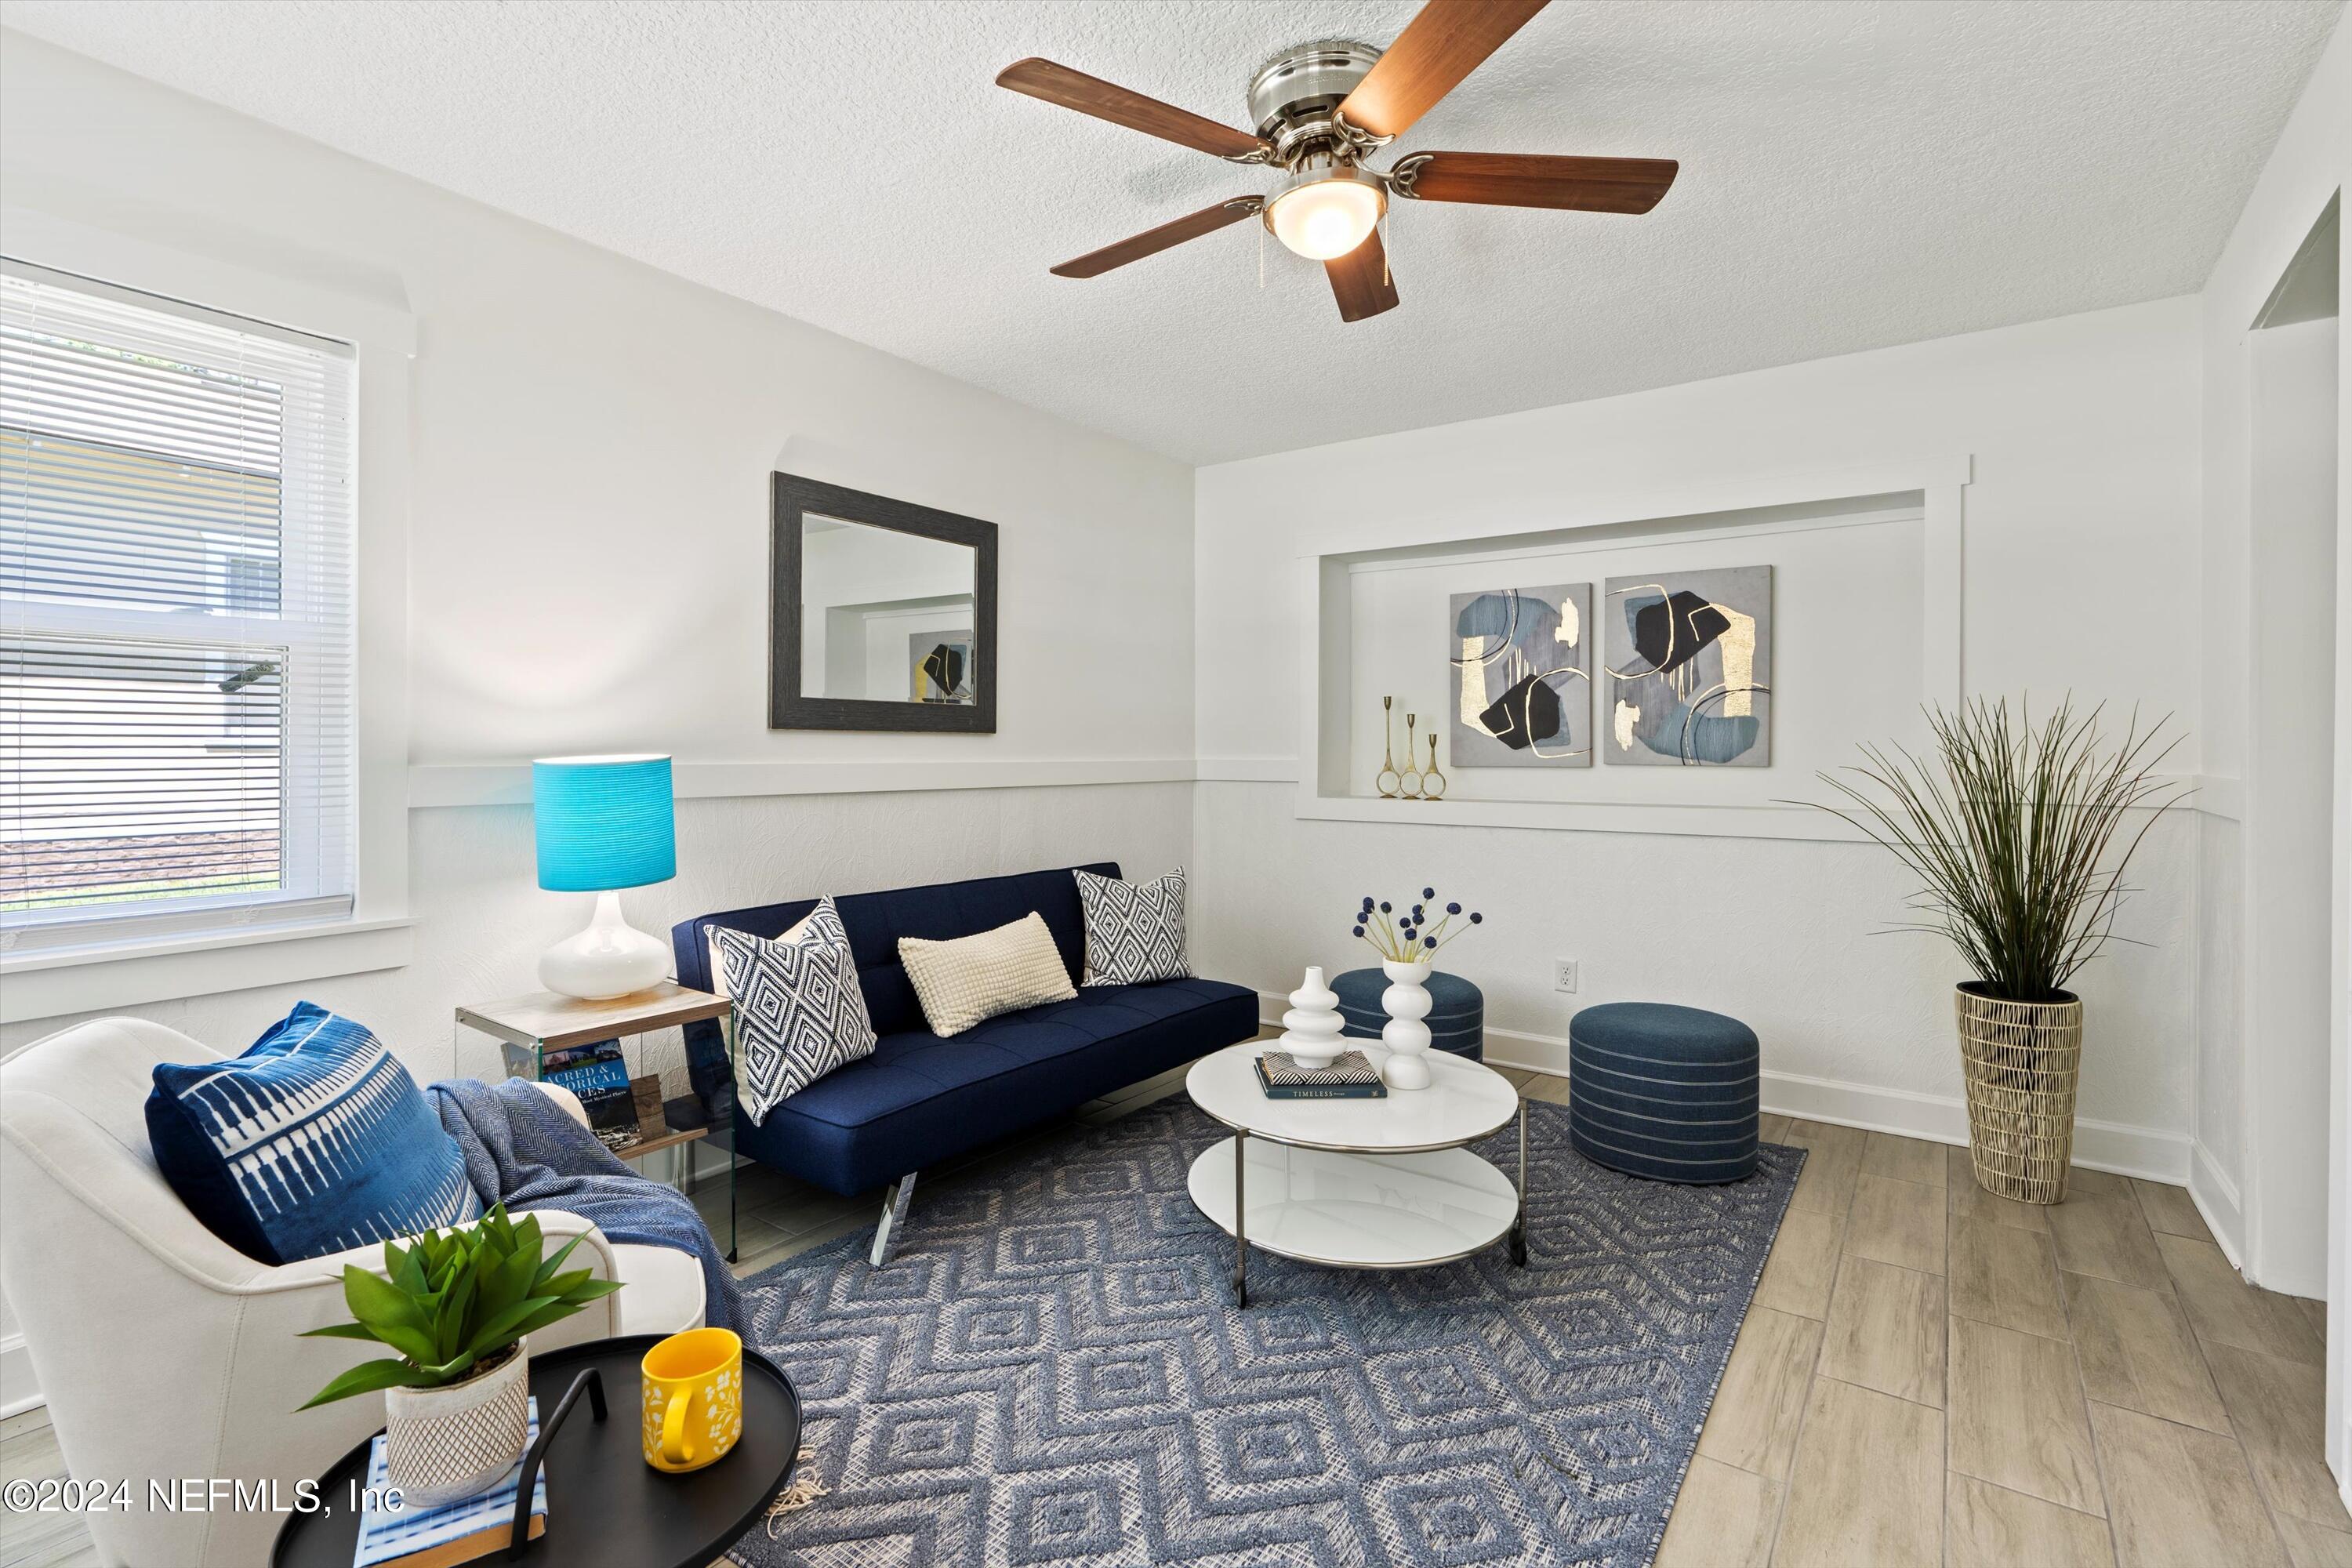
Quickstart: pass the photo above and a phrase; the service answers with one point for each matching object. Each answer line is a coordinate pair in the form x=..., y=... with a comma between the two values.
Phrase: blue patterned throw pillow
x=799, y=1010
x=314, y=1141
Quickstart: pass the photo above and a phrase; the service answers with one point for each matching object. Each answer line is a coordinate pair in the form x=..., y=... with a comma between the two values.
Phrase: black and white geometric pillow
x=799, y=1010
x=1135, y=931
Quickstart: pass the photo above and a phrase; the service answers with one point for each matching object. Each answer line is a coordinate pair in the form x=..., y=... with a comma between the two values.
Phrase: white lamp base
x=611, y=958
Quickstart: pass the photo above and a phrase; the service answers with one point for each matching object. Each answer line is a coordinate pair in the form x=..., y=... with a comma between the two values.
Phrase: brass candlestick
x=1408, y=782
x=1432, y=783
x=1388, y=781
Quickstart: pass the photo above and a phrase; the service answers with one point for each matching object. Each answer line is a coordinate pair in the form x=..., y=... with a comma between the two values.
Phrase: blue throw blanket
x=523, y=1150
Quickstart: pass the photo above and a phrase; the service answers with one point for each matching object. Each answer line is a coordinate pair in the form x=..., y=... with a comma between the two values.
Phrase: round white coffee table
x=1359, y=1184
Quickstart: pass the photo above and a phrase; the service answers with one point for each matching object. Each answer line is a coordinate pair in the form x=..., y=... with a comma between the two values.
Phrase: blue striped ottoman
x=1662, y=1091
x=1457, y=1010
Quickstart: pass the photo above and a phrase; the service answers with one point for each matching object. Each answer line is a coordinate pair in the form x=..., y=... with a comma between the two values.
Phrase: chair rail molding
x=437, y=785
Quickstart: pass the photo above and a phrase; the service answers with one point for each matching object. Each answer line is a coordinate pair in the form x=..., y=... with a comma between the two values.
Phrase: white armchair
x=165, y=1354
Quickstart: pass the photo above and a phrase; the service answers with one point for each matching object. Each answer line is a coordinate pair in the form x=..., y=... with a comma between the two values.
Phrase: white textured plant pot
x=1312, y=1029
x=1407, y=1003
x=443, y=1443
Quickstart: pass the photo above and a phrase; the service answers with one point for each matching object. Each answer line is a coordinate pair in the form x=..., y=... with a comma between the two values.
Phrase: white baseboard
x=2216, y=1197
x=18, y=1391
x=2126, y=1151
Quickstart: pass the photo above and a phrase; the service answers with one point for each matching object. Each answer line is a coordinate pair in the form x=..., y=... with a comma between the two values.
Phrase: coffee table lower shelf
x=1354, y=1210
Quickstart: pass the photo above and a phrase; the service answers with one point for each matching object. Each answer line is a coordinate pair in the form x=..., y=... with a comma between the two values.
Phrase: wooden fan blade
x=1152, y=241
x=1360, y=280
x=1108, y=101
x=1446, y=42
x=1536, y=179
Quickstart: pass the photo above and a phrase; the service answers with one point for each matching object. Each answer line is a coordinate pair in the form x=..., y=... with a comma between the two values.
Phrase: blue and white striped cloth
x=1662, y=1091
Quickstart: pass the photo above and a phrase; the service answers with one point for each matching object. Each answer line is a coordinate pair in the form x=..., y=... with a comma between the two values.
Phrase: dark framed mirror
x=882, y=614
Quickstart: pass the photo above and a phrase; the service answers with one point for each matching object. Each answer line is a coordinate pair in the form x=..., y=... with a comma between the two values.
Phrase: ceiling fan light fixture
x=1319, y=107
x=1323, y=209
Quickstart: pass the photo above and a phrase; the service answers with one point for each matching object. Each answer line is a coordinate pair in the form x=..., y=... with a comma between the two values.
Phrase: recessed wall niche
x=1863, y=625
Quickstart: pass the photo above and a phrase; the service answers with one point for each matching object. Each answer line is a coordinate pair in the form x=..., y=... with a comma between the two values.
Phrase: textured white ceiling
x=1853, y=175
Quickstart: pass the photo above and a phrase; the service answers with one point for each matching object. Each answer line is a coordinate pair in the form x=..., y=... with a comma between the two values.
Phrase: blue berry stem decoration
x=1409, y=937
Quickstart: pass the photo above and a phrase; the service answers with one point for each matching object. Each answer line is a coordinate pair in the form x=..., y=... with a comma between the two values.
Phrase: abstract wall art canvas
x=1522, y=676
x=943, y=667
x=1688, y=660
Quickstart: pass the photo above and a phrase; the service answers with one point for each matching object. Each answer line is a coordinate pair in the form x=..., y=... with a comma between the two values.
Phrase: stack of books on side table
x=599, y=1074
x=1351, y=1077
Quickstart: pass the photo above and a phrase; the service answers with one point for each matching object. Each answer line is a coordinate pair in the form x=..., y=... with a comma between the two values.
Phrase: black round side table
x=606, y=1508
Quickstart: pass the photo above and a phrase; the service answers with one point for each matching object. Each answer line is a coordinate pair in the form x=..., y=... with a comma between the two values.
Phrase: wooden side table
x=527, y=1027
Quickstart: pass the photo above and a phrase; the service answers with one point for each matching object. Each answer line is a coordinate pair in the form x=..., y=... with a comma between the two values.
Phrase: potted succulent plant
x=2019, y=834
x=456, y=1304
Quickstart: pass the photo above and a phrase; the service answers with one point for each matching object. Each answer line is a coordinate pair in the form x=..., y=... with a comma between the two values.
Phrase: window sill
x=58, y=983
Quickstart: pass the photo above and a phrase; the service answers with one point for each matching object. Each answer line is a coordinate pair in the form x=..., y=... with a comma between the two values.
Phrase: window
x=176, y=519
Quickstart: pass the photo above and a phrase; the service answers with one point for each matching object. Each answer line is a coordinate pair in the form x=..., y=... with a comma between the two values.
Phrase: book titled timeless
x=1352, y=1077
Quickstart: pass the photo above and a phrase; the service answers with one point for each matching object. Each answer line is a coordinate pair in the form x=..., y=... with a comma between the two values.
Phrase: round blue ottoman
x=1662, y=1091
x=1457, y=1010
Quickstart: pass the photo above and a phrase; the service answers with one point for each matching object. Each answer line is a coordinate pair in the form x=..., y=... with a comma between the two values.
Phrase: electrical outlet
x=1563, y=975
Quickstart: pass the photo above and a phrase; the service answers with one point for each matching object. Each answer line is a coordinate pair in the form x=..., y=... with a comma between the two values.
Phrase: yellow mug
x=693, y=1399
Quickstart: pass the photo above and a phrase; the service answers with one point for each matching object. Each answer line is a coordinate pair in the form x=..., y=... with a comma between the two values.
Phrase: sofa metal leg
x=894, y=1216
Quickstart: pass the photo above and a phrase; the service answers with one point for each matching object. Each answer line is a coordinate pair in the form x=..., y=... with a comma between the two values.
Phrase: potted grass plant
x=458, y=1306
x=2019, y=834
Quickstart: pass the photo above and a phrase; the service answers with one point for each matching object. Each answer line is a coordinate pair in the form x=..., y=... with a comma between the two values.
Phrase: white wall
x=2081, y=535
x=590, y=445
x=2310, y=165
x=592, y=441
x=2290, y=702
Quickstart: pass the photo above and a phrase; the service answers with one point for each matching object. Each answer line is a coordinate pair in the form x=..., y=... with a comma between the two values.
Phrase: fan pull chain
x=1388, y=230
x=1261, y=257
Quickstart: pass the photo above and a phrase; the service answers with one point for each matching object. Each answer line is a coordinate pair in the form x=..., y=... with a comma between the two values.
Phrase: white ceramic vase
x=443, y=1443
x=1311, y=1030
x=1407, y=1003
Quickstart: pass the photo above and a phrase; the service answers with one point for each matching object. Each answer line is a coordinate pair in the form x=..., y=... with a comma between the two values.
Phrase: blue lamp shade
x=603, y=823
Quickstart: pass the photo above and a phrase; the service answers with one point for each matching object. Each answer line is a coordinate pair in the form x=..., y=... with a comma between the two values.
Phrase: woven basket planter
x=2022, y=1060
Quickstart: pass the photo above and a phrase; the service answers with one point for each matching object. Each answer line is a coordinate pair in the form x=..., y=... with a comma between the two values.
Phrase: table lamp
x=604, y=824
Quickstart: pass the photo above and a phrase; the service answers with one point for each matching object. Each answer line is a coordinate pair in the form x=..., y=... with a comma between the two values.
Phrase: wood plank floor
x=1931, y=1375
x=1935, y=1376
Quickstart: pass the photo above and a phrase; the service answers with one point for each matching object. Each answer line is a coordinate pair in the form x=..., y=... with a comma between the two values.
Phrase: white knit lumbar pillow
x=961, y=982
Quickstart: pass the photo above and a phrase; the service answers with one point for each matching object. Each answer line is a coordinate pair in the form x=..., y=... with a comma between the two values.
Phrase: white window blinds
x=175, y=617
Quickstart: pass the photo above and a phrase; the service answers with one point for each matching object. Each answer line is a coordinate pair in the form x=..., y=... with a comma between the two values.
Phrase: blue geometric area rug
x=1051, y=1370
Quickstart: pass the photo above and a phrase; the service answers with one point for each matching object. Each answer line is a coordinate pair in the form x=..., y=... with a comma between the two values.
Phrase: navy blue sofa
x=919, y=1099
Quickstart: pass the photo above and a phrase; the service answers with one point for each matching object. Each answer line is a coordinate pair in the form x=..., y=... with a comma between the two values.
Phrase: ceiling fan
x=1320, y=110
